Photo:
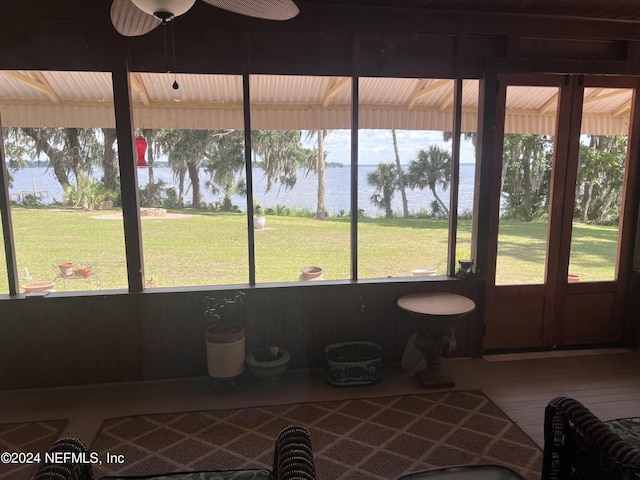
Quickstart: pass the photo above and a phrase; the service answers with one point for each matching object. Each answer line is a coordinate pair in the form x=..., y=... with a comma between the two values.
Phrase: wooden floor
x=608, y=382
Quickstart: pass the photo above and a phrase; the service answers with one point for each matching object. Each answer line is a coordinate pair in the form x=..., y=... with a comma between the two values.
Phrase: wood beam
x=447, y=103
x=625, y=107
x=335, y=85
x=603, y=96
x=140, y=89
x=550, y=105
x=40, y=83
x=424, y=87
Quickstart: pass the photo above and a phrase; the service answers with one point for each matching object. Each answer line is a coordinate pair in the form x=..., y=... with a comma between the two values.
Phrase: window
x=61, y=155
x=527, y=157
x=193, y=190
x=599, y=185
x=301, y=141
x=405, y=161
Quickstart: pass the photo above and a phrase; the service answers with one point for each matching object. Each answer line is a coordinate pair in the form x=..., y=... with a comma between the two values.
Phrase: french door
x=561, y=223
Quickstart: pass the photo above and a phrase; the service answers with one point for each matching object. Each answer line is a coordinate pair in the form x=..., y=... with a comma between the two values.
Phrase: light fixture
x=164, y=10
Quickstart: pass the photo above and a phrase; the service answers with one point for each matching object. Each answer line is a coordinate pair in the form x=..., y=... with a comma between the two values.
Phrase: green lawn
x=211, y=249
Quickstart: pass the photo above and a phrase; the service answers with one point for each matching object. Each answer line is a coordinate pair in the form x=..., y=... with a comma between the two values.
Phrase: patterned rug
x=362, y=439
x=33, y=437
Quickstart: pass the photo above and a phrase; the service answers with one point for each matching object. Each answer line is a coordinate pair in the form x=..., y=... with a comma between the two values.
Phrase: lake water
x=302, y=195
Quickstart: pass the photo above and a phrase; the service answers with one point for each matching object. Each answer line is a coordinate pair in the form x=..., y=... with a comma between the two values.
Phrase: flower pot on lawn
x=259, y=222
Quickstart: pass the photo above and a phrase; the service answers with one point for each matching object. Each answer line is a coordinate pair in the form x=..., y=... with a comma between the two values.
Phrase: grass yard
x=211, y=248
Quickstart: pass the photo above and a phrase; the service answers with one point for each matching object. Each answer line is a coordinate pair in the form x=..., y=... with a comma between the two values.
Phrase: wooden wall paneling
x=325, y=323
x=39, y=343
x=151, y=311
x=388, y=328
x=305, y=348
x=403, y=55
x=172, y=326
x=55, y=44
x=61, y=338
x=573, y=48
x=126, y=321
x=195, y=340
x=466, y=326
x=198, y=50
x=258, y=316
x=10, y=322
x=15, y=336
x=631, y=326
x=476, y=49
x=589, y=318
x=106, y=346
x=84, y=341
x=166, y=322
x=525, y=312
x=290, y=333
x=309, y=52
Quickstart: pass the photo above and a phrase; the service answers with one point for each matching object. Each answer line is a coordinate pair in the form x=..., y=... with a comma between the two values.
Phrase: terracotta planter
x=66, y=269
x=41, y=286
x=572, y=278
x=83, y=271
x=311, y=273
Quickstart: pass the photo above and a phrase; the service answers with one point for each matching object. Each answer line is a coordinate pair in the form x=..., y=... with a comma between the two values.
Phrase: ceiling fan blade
x=129, y=20
x=267, y=9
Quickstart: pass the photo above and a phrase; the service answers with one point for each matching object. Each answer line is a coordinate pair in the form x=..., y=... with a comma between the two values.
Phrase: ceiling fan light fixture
x=165, y=10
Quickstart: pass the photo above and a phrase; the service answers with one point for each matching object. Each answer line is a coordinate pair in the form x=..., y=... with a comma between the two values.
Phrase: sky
x=376, y=146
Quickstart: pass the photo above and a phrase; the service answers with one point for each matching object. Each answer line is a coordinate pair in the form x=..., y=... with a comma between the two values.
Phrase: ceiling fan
x=133, y=18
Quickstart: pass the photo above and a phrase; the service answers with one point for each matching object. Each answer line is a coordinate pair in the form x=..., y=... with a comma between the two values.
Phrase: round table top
x=441, y=304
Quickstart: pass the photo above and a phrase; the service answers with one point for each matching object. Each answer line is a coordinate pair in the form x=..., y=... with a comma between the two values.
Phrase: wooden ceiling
x=622, y=10
x=628, y=10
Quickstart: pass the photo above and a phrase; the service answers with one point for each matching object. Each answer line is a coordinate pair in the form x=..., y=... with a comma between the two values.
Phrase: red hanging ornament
x=141, y=149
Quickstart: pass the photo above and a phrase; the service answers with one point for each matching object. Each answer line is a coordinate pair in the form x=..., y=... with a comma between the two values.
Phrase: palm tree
x=109, y=169
x=405, y=206
x=432, y=169
x=319, y=167
x=186, y=151
x=385, y=180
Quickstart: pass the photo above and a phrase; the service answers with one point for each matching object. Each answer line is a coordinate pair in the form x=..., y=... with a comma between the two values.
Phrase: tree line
x=72, y=153
x=526, y=177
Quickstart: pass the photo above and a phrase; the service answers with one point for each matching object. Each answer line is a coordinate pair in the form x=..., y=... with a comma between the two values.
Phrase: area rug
x=361, y=439
x=31, y=438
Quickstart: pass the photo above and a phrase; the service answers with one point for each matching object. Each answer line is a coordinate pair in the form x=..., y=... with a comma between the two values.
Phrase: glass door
x=559, y=225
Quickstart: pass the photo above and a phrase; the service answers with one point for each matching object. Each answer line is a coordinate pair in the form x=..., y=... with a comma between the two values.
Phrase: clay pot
x=41, y=286
x=311, y=273
x=66, y=269
x=424, y=272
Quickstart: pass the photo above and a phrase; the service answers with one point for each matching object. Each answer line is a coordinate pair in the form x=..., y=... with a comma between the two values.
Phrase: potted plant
x=225, y=336
x=259, y=220
x=268, y=364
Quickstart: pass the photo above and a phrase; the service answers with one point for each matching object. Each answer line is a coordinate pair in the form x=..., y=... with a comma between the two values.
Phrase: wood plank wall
x=73, y=340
